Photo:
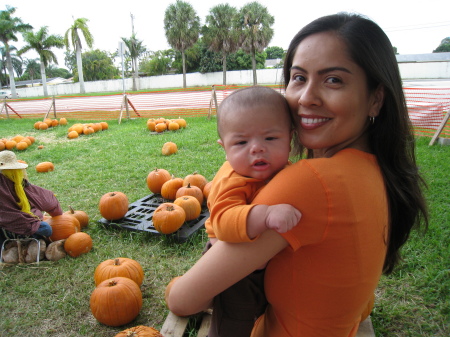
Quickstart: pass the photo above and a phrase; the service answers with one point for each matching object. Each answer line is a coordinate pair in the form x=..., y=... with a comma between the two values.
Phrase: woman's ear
x=377, y=101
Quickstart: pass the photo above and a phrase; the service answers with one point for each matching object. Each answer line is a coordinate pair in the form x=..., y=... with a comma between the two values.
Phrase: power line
x=420, y=26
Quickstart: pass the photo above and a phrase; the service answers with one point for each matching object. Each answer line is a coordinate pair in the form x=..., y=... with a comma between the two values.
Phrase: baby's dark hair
x=252, y=97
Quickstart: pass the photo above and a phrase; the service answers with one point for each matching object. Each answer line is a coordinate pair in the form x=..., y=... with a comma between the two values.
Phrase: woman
x=359, y=190
x=22, y=203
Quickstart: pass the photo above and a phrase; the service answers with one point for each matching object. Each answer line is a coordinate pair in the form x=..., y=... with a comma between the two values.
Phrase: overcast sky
x=414, y=27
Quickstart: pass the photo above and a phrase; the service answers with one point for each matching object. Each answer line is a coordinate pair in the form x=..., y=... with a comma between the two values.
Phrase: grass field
x=52, y=298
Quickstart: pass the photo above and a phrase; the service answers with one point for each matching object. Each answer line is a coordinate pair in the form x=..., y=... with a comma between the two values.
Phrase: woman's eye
x=298, y=78
x=334, y=80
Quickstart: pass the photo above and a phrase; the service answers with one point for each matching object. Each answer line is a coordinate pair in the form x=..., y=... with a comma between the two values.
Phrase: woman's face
x=329, y=97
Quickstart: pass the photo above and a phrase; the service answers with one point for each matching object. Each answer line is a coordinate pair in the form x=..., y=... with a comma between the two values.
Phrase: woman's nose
x=309, y=96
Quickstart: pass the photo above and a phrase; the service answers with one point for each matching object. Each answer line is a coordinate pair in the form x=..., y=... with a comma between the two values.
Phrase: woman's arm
x=221, y=267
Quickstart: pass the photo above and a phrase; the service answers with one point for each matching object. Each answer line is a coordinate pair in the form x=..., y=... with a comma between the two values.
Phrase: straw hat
x=8, y=161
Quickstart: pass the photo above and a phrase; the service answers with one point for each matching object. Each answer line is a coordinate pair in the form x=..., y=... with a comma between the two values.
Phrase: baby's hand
x=282, y=217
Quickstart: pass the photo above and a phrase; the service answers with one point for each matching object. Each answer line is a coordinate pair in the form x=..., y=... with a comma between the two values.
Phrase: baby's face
x=257, y=141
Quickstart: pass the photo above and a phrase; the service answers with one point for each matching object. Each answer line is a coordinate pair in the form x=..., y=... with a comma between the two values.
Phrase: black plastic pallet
x=140, y=214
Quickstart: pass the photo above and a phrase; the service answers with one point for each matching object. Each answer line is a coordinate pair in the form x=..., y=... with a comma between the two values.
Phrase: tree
x=9, y=27
x=16, y=62
x=182, y=28
x=157, y=63
x=256, y=23
x=98, y=65
x=444, y=46
x=135, y=49
x=41, y=42
x=221, y=33
x=72, y=37
x=32, y=68
x=274, y=53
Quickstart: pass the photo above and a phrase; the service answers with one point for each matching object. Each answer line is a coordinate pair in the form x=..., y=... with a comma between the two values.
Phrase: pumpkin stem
x=112, y=283
x=116, y=262
x=170, y=208
x=131, y=334
x=71, y=210
x=188, y=185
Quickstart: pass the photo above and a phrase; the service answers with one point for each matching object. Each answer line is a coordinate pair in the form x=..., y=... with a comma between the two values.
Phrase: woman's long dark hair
x=390, y=137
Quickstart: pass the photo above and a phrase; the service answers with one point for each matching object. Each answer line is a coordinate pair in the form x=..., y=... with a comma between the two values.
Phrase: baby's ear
x=220, y=142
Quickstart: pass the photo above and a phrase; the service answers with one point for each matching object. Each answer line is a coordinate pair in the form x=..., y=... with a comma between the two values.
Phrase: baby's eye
x=271, y=138
x=242, y=142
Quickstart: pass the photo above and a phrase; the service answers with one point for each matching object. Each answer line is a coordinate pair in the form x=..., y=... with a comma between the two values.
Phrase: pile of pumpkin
x=78, y=129
x=49, y=123
x=117, y=297
x=67, y=239
x=160, y=125
x=17, y=142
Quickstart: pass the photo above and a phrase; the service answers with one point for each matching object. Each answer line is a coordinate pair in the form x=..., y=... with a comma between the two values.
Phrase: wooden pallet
x=175, y=326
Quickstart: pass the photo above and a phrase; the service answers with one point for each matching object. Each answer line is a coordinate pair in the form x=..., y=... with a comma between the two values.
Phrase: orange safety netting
x=426, y=106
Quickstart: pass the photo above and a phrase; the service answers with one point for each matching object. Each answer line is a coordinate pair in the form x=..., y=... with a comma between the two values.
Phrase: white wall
x=408, y=71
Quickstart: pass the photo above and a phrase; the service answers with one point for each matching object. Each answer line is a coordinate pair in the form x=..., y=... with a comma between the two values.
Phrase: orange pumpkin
x=45, y=166
x=181, y=122
x=195, y=179
x=81, y=216
x=21, y=145
x=189, y=189
x=168, y=218
x=10, y=144
x=63, y=121
x=169, y=148
x=73, y=134
x=173, y=126
x=207, y=189
x=170, y=187
x=120, y=266
x=156, y=179
x=139, y=331
x=160, y=127
x=104, y=125
x=63, y=226
x=191, y=206
x=43, y=126
x=116, y=301
x=77, y=244
x=113, y=205
x=36, y=125
x=2, y=146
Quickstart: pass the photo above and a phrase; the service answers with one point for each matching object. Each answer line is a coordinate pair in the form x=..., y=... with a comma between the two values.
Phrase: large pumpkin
x=120, y=266
x=116, y=301
x=113, y=205
x=139, y=331
x=78, y=244
x=168, y=218
x=195, y=191
x=63, y=226
x=191, y=206
x=195, y=179
x=81, y=216
x=170, y=187
x=156, y=179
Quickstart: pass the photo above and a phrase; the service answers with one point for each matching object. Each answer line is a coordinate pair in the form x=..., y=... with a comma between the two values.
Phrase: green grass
x=52, y=298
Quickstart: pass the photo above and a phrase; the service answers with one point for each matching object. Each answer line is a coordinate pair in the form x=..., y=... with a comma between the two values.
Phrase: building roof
x=431, y=57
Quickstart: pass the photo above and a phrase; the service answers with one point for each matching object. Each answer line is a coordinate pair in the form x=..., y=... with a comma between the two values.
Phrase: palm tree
x=182, y=27
x=256, y=23
x=16, y=62
x=135, y=48
x=41, y=42
x=221, y=34
x=32, y=67
x=73, y=38
x=9, y=27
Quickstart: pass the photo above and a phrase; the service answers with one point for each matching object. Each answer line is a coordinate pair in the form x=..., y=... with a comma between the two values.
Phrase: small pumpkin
x=78, y=244
x=113, y=205
x=21, y=145
x=63, y=226
x=173, y=126
x=45, y=166
x=191, y=206
x=151, y=125
x=121, y=266
x=63, y=121
x=43, y=126
x=181, y=122
x=191, y=190
x=168, y=218
x=81, y=216
x=116, y=301
x=195, y=179
x=207, y=189
x=160, y=127
x=170, y=187
x=104, y=125
x=169, y=148
x=140, y=331
x=72, y=134
x=156, y=179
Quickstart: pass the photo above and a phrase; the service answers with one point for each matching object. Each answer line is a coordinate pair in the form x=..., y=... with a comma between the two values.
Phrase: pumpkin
x=43, y=126
x=40, y=147
x=18, y=138
x=88, y=130
x=170, y=187
x=54, y=123
x=72, y=134
x=63, y=226
x=27, y=140
x=21, y=145
x=81, y=216
x=77, y=244
x=207, y=189
x=191, y=206
x=168, y=218
x=10, y=144
x=173, y=126
x=156, y=179
x=78, y=127
x=63, y=121
x=151, y=125
x=181, y=122
x=2, y=146
x=48, y=121
x=191, y=190
x=116, y=301
x=45, y=166
x=113, y=205
x=36, y=125
x=104, y=125
x=160, y=127
x=195, y=179
x=121, y=266
x=169, y=148
x=139, y=331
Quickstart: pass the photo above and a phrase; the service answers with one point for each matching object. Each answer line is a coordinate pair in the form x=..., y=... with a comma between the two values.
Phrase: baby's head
x=255, y=129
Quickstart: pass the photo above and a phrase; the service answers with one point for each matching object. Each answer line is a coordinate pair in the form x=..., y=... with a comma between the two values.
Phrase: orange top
x=229, y=204
x=322, y=282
